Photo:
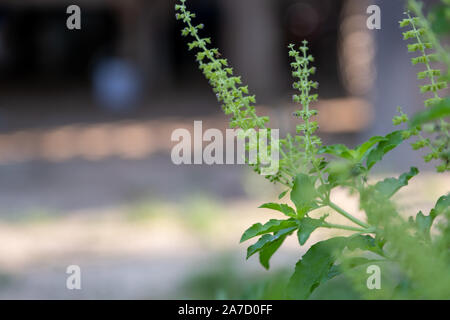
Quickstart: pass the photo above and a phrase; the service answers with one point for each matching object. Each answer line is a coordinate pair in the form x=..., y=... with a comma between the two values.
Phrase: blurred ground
x=135, y=240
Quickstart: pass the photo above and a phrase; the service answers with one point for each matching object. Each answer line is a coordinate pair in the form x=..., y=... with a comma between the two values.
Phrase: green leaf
x=268, y=239
x=390, y=186
x=442, y=205
x=339, y=172
x=357, y=155
x=365, y=243
x=307, y=226
x=268, y=251
x=363, y=150
x=303, y=194
x=272, y=225
x=283, y=208
x=437, y=111
x=281, y=196
x=361, y=242
x=376, y=154
x=424, y=223
x=322, y=165
x=314, y=267
x=318, y=264
x=346, y=265
x=338, y=150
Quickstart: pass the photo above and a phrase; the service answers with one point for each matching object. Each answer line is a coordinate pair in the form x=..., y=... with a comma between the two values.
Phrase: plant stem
x=342, y=227
x=347, y=215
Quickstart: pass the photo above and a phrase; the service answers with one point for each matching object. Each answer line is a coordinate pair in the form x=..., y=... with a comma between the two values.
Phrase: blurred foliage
x=439, y=17
x=200, y=211
x=149, y=209
x=5, y=280
x=223, y=280
x=196, y=211
x=32, y=216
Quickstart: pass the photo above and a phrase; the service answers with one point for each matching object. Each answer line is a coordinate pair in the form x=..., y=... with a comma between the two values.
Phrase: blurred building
x=253, y=34
x=48, y=72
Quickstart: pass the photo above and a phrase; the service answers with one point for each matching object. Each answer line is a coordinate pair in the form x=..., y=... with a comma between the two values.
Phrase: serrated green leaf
x=339, y=172
x=390, y=186
x=268, y=251
x=338, y=150
x=442, y=205
x=314, y=267
x=363, y=150
x=322, y=165
x=365, y=243
x=283, y=208
x=376, y=154
x=318, y=264
x=307, y=226
x=303, y=194
x=268, y=239
x=347, y=264
x=424, y=223
x=272, y=225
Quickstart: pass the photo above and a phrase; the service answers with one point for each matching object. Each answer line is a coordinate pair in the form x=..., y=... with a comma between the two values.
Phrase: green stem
x=348, y=228
x=347, y=215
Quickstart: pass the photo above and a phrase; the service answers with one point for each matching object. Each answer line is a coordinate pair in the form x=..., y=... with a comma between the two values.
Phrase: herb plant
x=414, y=258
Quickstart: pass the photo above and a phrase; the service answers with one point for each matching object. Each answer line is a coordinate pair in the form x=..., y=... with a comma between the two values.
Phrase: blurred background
x=86, y=118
